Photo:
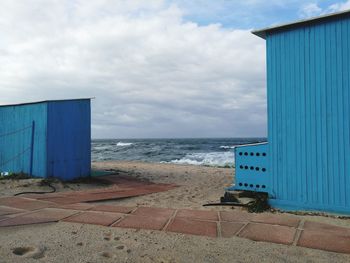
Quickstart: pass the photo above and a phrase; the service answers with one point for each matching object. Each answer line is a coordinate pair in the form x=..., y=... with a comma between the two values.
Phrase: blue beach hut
x=306, y=163
x=46, y=138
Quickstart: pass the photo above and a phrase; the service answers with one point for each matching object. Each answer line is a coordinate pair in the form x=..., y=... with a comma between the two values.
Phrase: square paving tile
x=77, y=206
x=3, y=217
x=143, y=222
x=5, y=210
x=321, y=227
x=113, y=208
x=41, y=216
x=277, y=219
x=193, y=227
x=95, y=218
x=198, y=214
x=154, y=212
x=24, y=203
x=230, y=229
x=327, y=240
x=269, y=233
x=235, y=216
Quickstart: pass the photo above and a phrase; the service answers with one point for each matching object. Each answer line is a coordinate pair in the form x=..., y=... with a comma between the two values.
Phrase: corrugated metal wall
x=16, y=138
x=309, y=115
x=69, y=139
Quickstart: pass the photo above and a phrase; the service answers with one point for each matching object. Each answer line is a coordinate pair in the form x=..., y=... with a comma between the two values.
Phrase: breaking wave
x=218, y=159
x=122, y=144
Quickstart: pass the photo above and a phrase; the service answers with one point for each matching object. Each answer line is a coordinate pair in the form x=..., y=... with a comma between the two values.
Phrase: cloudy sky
x=156, y=68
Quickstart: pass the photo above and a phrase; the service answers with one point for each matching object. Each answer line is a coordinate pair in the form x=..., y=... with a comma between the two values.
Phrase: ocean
x=216, y=152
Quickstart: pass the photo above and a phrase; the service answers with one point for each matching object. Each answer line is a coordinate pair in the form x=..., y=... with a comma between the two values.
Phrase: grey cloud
x=153, y=75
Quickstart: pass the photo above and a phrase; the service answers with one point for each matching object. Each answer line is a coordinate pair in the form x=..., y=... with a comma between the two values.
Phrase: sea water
x=209, y=152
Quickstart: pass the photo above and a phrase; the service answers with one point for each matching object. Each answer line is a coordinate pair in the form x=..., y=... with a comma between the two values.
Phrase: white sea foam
x=227, y=147
x=211, y=159
x=122, y=144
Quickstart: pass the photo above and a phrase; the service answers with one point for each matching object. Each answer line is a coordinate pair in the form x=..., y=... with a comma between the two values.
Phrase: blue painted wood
x=69, y=139
x=46, y=139
x=16, y=138
x=308, y=115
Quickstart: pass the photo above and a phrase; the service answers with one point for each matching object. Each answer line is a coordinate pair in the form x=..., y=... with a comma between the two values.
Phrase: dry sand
x=68, y=242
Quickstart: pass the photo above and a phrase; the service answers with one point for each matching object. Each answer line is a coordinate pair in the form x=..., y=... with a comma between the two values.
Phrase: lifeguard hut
x=305, y=165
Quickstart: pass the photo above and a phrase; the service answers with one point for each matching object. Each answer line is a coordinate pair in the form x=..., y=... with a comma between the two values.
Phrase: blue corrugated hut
x=307, y=157
x=47, y=138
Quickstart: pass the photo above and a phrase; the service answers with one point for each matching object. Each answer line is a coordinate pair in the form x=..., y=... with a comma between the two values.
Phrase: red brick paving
x=142, y=222
x=198, y=214
x=235, y=216
x=94, y=217
x=325, y=241
x=24, y=203
x=325, y=237
x=5, y=210
x=193, y=227
x=41, y=216
x=113, y=208
x=154, y=212
x=269, y=233
x=273, y=219
x=321, y=227
x=77, y=206
x=70, y=207
x=230, y=229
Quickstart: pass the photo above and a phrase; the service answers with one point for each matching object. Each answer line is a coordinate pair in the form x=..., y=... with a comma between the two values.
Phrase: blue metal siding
x=16, y=138
x=251, y=168
x=309, y=114
x=69, y=139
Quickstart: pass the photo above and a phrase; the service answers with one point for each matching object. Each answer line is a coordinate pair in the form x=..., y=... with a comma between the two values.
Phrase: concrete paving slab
x=113, y=208
x=282, y=220
x=321, y=227
x=95, y=218
x=5, y=210
x=24, y=203
x=154, y=212
x=235, y=216
x=193, y=227
x=77, y=206
x=269, y=233
x=198, y=214
x=230, y=229
x=327, y=240
x=41, y=216
x=143, y=222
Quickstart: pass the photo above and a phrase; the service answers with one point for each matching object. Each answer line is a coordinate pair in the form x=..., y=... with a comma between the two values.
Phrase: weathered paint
x=60, y=143
x=251, y=172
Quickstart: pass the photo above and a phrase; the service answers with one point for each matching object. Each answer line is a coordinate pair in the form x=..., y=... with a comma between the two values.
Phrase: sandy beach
x=72, y=242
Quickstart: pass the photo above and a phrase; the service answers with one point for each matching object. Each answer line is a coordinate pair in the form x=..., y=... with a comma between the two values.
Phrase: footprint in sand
x=106, y=254
x=107, y=236
x=21, y=251
x=32, y=252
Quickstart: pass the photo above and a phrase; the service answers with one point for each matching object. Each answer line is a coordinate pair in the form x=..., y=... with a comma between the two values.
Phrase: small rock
x=120, y=247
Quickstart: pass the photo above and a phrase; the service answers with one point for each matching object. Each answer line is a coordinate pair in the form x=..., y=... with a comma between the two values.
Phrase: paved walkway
x=281, y=229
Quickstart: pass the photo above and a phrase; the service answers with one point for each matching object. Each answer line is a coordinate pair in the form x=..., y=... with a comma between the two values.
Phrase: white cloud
x=339, y=6
x=153, y=75
x=310, y=9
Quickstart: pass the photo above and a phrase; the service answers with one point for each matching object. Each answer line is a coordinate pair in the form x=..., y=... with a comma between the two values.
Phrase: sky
x=156, y=69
